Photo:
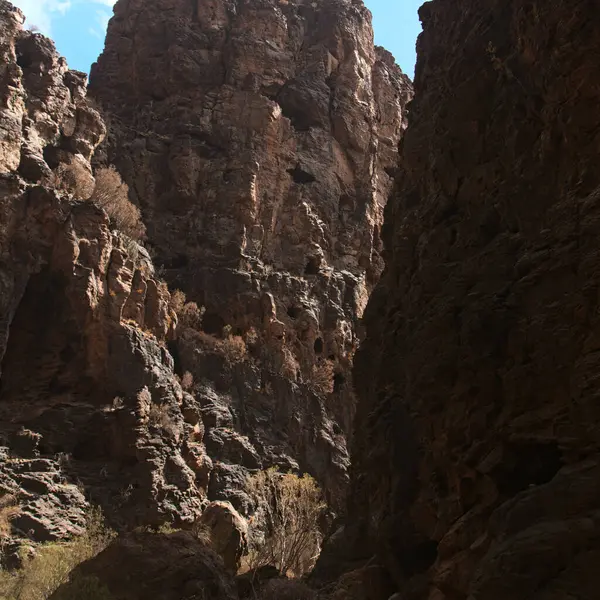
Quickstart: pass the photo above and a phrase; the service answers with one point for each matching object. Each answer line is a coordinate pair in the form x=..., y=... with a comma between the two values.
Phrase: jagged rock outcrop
x=90, y=408
x=227, y=532
x=477, y=443
x=259, y=139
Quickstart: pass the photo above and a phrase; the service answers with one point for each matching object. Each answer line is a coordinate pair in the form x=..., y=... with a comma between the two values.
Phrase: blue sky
x=78, y=27
x=397, y=26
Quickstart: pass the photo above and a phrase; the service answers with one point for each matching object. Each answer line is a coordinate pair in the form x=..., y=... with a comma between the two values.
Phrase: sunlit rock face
x=90, y=408
x=260, y=140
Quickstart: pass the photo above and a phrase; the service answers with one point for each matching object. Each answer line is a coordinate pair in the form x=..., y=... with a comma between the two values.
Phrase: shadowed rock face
x=172, y=566
x=476, y=450
x=259, y=139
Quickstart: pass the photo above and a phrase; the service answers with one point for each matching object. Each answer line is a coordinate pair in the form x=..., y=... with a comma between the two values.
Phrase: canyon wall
x=260, y=140
x=90, y=409
x=476, y=453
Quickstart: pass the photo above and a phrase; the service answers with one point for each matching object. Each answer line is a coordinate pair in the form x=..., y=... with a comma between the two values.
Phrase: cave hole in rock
x=173, y=349
x=45, y=352
x=213, y=323
x=51, y=156
x=312, y=266
x=318, y=346
x=440, y=482
x=293, y=312
x=301, y=176
x=26, y=51
x=526, y=464
x=390, y=171
x=300, y=119
x=338, y=382
x=23, y=60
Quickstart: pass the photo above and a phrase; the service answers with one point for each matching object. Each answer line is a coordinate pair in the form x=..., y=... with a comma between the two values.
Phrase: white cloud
x=41, y=13
x=102, y=18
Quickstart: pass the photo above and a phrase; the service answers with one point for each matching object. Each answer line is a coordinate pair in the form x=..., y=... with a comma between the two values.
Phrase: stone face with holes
x=260, y=140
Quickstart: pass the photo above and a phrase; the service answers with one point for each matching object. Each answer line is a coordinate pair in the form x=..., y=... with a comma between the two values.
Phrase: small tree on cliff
x=112, y=194
x=295, y=506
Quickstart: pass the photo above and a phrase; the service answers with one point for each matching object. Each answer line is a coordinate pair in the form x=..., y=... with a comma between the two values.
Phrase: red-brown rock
x=477, y=437
x=259, y=139
x=88, y=395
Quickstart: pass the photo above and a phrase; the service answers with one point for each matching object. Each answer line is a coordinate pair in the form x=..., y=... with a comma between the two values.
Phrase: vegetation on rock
x=112, y=194
x=50, y=565
x=294, y=508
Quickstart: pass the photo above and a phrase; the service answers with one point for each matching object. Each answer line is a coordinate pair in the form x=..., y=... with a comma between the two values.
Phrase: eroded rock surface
x=260, y=139
x=477, y=445
x=90, y=409
x=227, y=532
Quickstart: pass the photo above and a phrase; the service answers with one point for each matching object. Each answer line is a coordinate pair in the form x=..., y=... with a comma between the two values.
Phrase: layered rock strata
x=477, y=445
x=260, y=140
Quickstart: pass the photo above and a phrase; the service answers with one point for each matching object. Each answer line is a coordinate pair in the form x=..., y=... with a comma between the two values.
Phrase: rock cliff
x=260, y=140
x=90, y=408
x=477, y=445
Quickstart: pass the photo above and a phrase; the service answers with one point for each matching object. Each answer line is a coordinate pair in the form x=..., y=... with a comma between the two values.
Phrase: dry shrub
x=159, y=417
x=187, y=381
x=251, y=337
x=293, y=541
x=74, y=178
x=42, y=575
x=190, y=316
x=112, y=194
x=234, y=348
x=8, y=511
x=206, y=341
x=322, y=377
x=135, y=253
x=203, y=533
x=178, y=300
